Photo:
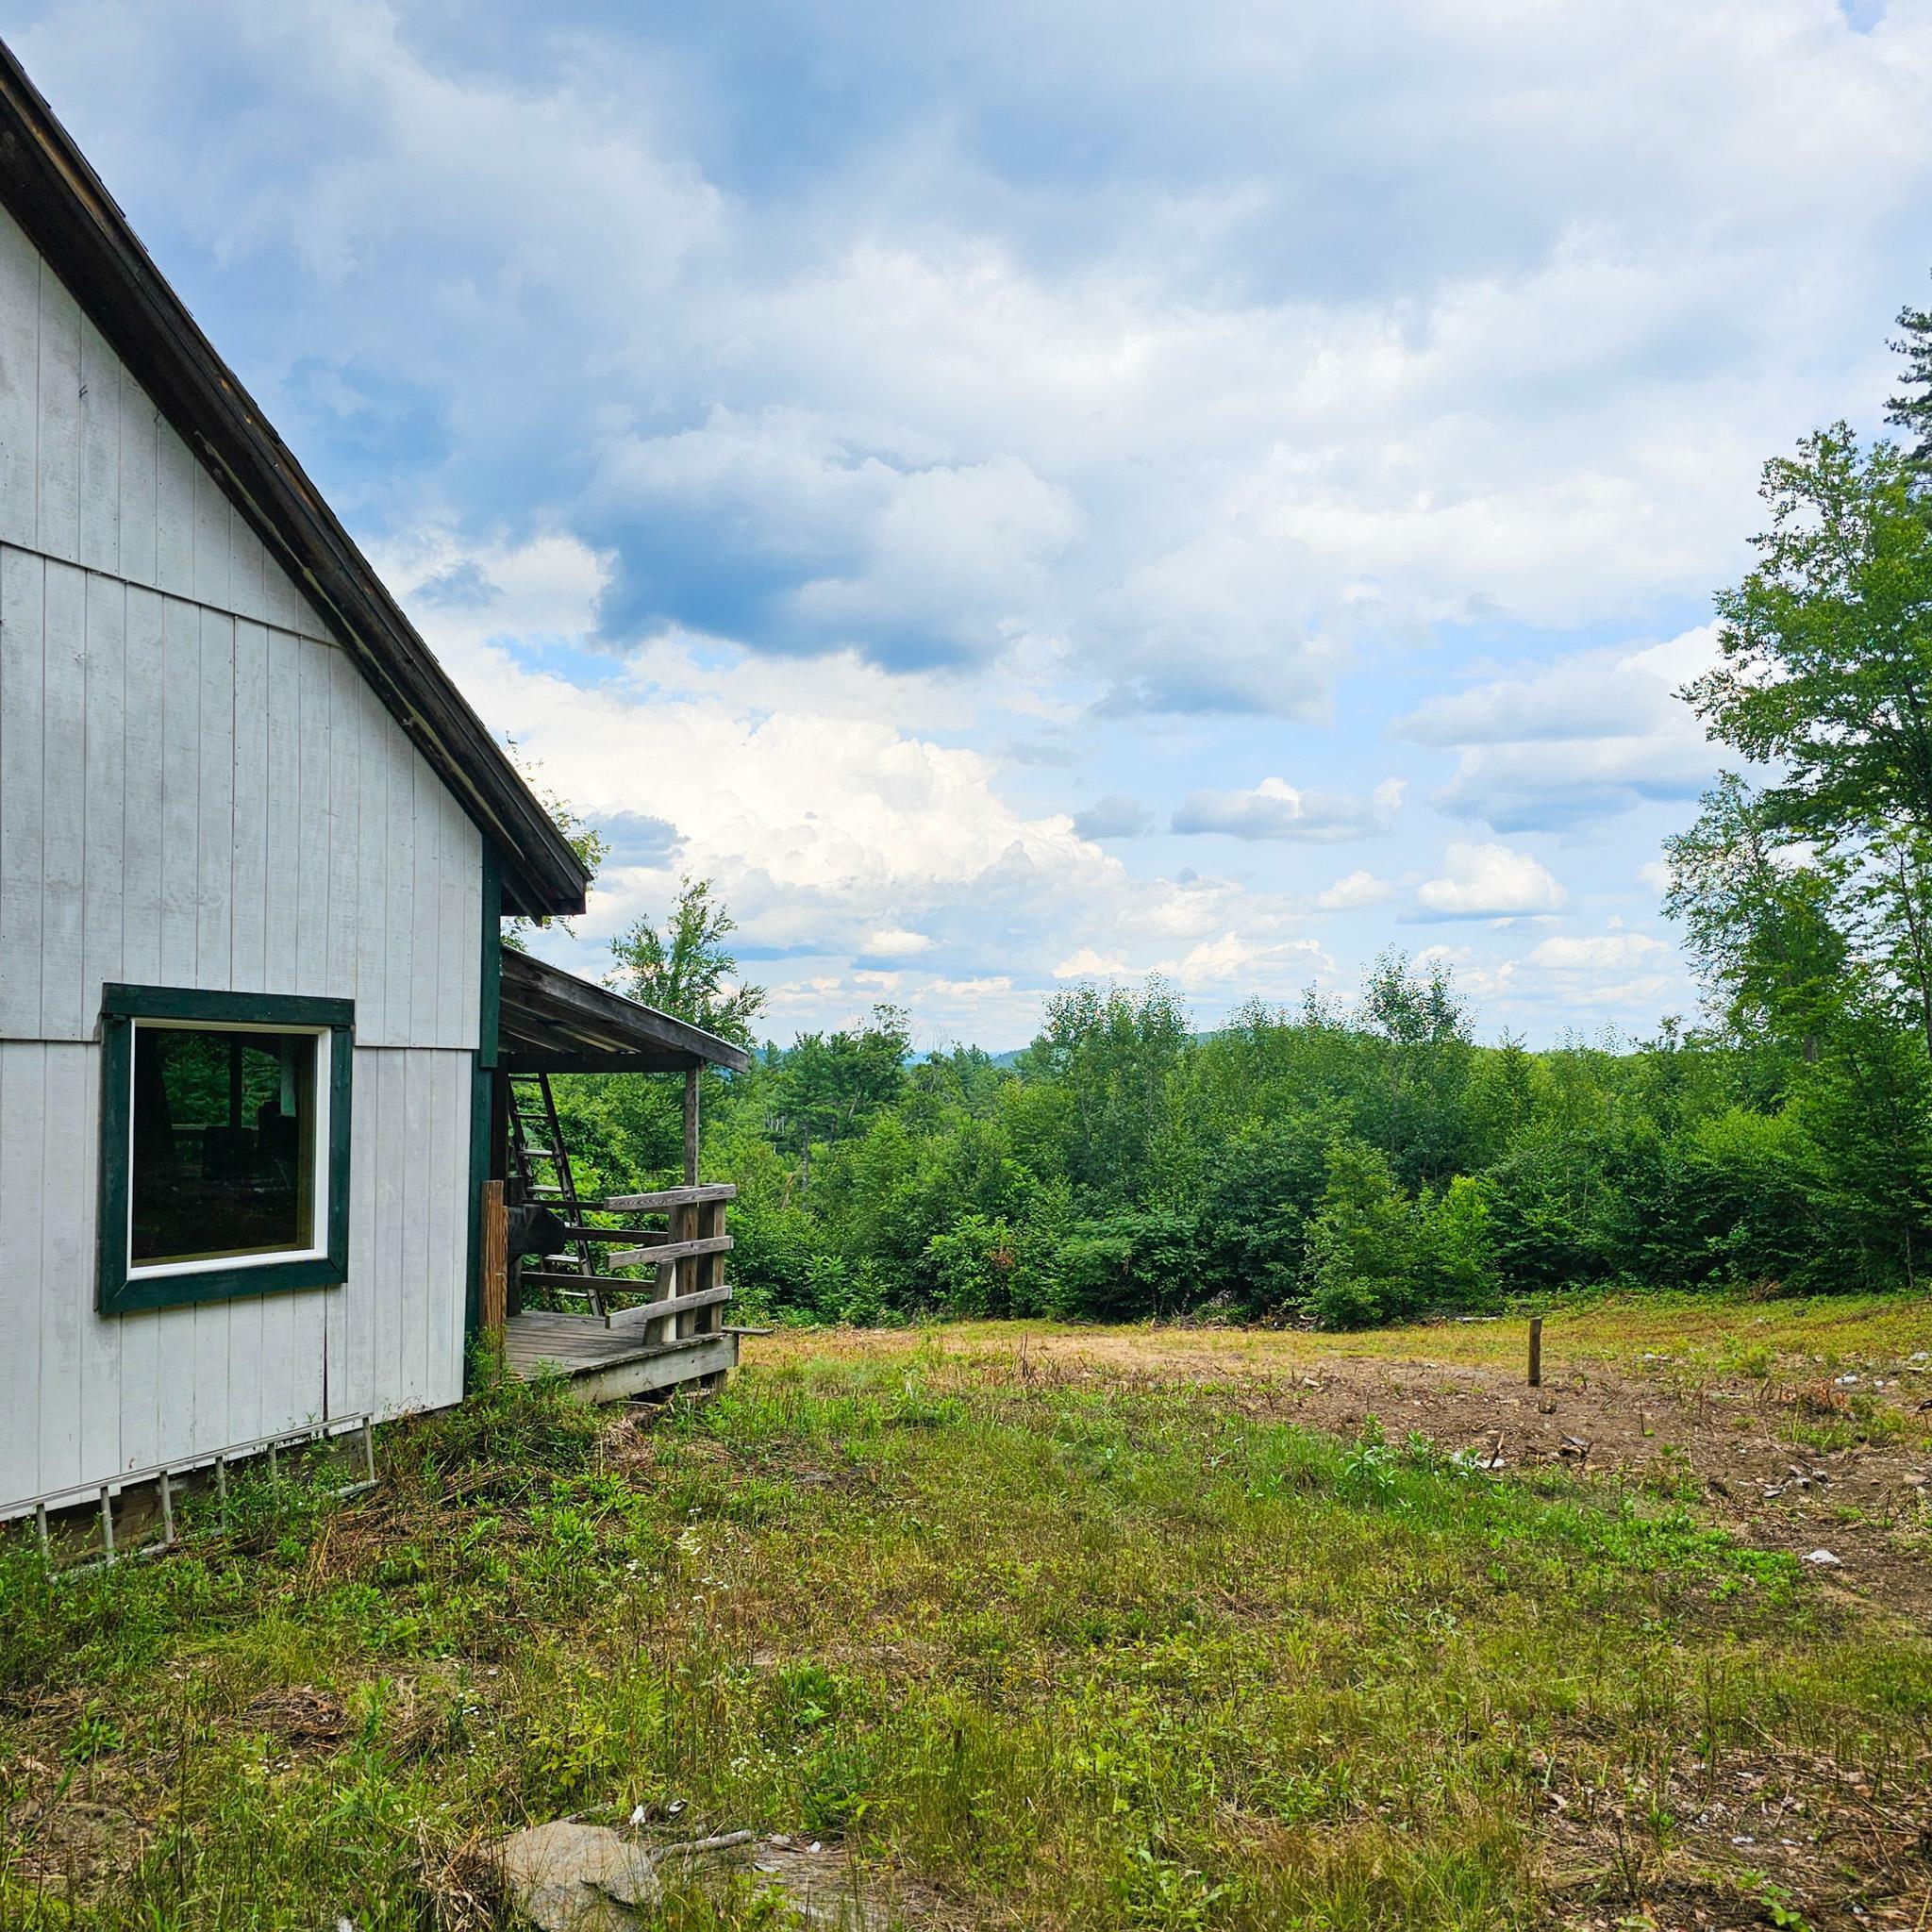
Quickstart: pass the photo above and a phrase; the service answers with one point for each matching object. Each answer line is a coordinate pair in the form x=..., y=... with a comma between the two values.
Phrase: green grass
x=1705, y=1333
x=1113, y=1655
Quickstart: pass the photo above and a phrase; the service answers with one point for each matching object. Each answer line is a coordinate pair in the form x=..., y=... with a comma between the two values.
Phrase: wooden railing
x=687, y=1293
x=684, y=1293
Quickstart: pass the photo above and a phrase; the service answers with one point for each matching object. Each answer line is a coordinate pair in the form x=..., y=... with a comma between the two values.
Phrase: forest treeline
x=1347, y=1166
x=1355, y=1162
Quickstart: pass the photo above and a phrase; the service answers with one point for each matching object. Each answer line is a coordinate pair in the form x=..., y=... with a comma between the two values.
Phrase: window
x=224, y=1141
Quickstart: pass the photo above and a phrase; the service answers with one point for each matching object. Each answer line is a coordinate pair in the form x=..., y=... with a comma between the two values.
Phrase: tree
x=1757, y=920
x=1115, y=1054
x=1418, y=1115
x=830, y=1086
x=1826, y=671
x=1361, y=1260
x=686, y=971
x=1911, y=409
x=1826, y=684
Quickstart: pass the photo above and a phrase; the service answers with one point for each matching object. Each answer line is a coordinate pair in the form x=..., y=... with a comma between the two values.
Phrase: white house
x=254, y=852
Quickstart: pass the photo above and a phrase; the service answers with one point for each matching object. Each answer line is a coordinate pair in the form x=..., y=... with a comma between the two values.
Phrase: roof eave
x=566, y=1018
x=69, y=216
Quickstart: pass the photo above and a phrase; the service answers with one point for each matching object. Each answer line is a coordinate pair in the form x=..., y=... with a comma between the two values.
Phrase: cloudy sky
x=1020, y=492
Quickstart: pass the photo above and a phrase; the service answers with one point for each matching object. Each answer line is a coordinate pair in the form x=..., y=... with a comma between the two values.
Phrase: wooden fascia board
x=543, y=1059
x=554, y=994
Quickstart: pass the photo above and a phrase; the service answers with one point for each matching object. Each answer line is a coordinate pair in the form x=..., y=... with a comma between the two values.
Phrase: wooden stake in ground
x=1536, y=1351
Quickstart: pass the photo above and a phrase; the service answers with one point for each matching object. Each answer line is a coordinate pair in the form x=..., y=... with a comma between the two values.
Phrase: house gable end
x=227, y=492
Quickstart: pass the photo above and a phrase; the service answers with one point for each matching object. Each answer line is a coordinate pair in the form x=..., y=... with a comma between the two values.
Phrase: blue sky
x=1015, y=493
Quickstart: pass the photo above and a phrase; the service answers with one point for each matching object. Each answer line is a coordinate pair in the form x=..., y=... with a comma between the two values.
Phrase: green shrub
x=1752, y=1182
x=1122, y=1267
x=1456, y=1245
x=973, y=1262
x=1256, y=1206
x=1361, y=1248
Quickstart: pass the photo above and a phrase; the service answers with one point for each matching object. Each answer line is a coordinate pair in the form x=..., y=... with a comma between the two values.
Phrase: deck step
x=609, y=1365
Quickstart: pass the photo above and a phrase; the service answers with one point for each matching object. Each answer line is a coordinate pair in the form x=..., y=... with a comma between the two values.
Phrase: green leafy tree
x=1456, y=1245
x=1826, y=684
x=1258, y=1198
x=1827, y=646
x=1129, y=1264
x=1114, y=1055
x=974, y=1261
x=686, y=970
x=1362, y=1246
x=1416, y=1111
x=1760, y=922
x=832, y=1085
x=1910, y=410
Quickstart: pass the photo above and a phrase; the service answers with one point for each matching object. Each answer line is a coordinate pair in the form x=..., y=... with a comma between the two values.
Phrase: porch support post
x=495, y=1262
x=683, y=1221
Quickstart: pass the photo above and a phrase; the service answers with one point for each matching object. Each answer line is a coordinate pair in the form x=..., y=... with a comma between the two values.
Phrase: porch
x=641, y=1276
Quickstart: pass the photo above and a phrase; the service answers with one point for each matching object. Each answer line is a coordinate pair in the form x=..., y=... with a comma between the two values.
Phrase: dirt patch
x=69, y=1825
x=73, y=1845
x=299, y=1715
x=823, y=1886
x=1800, y=1826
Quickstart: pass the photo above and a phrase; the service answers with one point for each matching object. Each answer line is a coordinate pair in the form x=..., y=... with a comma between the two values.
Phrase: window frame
x=124, y=1287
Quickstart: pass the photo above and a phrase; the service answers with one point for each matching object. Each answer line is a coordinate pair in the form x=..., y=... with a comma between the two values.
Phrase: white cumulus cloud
x=1489, y=882
x=1352, y=890
x=1277, y=809
x=1586, y=738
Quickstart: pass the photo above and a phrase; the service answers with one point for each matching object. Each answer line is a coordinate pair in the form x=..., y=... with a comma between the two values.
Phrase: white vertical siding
x=343, y=844
x=141, y=782
x=248, y=929
x=100, y=451
x=104, y=831
x=82, y=1398
x=190, y=799
x=180, y=789
x=63, y=777
x=24, y=1201
x=23, y=791
x=90, y=475
x=20, y=380
x=214, y=819
x=58, y=428
x=199, y=789
x=174, y=468
x=63, y=1459
x=136, y=530
x=315, y=915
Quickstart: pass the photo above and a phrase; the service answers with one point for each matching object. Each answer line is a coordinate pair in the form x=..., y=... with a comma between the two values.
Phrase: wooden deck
x=609, y=1364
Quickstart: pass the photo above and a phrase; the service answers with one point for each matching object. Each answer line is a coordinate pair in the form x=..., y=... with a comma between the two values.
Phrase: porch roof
x=554, y=1022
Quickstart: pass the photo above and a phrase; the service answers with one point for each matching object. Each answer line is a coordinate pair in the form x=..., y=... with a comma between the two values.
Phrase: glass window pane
x=224, y=1144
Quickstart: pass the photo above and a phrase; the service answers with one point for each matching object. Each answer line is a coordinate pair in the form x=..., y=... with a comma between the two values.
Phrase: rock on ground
x=569, y=1877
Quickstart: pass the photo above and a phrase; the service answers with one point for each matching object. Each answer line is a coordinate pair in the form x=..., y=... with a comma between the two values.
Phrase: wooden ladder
x=543, y=1166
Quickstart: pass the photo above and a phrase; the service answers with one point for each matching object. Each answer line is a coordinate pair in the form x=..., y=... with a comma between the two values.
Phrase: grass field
x=1044, y=1629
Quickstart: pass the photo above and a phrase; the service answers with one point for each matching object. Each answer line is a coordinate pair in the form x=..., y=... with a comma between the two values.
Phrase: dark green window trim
x=116, y=1291
x=193, y=1003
